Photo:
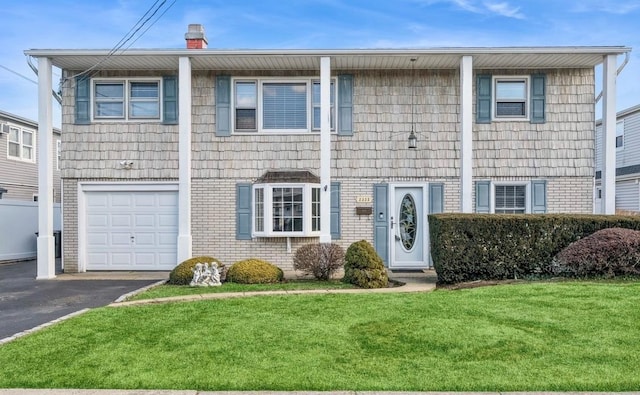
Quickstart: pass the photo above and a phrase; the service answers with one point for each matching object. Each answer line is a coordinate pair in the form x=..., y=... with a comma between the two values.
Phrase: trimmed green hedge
x=469, y=247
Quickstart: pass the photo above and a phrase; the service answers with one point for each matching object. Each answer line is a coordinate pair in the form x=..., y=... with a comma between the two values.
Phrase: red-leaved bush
x=319, y=259
x=608, y=252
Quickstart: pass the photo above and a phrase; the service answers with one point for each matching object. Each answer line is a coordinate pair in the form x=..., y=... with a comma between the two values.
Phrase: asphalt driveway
x=26, y=302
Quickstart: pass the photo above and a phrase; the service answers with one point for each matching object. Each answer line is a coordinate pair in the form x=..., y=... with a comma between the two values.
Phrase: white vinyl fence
x=18, y=227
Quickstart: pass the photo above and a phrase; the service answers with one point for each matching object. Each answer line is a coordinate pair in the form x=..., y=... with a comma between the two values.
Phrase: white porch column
x=325, y=150
x=466, y=134
x=46, y=257
x=184, y=159
x=609, y=72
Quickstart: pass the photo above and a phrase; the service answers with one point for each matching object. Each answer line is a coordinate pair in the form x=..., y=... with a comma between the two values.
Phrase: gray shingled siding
x=560, y=151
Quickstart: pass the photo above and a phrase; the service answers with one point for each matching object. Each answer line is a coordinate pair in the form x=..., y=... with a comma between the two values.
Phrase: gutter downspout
x=624, y=63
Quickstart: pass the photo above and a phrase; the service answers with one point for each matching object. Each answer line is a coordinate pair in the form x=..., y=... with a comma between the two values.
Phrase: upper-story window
x=21, y=144
x=620, y=134
x=120, y=99
x=268, y=105
x=511, y=98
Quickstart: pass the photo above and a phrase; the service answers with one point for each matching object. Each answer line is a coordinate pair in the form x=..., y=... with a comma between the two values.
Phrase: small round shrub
x=254, y=271
x=183, y=273
x=364, y=267
x=606, y=253
x=319, y=259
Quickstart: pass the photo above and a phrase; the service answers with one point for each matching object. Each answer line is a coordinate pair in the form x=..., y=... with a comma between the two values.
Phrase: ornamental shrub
x=254, y=271
x=183, y=273
x=364, y=267
x=319, y=259
x=606, y=253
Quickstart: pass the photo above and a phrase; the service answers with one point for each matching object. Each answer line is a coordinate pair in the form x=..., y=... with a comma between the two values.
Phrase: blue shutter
x=335, y=210
x=345, y=105
x=483, y=98
x=538, y=98
x=483, y=205
x=243, y=211
x=538, y=197
x=380, y=221
x=83, y=85
x=223, y=106
x=436, y=198
x=170, y=100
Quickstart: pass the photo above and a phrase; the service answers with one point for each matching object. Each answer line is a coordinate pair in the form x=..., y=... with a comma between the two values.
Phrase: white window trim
x=494, y=98
x=21, y=158
x=268, y=210
x=620, y=133
x=260, y=81
x=126, y=81
x=527, y=194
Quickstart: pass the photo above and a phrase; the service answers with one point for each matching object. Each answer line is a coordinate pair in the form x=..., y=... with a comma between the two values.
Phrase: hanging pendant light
x=413, y=140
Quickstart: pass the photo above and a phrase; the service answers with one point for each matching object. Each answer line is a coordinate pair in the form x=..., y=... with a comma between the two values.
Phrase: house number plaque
x=364, y=199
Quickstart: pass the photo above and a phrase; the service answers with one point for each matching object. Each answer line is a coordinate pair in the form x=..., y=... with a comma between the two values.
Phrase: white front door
x=131, y=230
x=409, y=227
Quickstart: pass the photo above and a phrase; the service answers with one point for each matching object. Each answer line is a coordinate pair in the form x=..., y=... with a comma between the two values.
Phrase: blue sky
x=312, y=24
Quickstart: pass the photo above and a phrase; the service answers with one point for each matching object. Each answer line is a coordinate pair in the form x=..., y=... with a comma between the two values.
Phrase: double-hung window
x=511, y=98
x=278, y=106
x=286, y=210
x=126, y=99
x=21, y=144
x=510, y=199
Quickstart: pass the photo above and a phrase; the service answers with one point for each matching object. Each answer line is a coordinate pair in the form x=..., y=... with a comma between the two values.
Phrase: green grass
x=574, y=336
x=165, y=291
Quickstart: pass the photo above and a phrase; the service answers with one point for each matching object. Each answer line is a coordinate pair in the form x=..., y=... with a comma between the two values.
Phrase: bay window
x=286, y=210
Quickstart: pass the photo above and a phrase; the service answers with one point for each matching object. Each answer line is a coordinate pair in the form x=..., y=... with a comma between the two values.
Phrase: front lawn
x=572, y=336
x=166, y=290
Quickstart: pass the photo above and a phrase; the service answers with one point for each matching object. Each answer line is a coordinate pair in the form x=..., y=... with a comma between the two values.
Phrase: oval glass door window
x=408, y=222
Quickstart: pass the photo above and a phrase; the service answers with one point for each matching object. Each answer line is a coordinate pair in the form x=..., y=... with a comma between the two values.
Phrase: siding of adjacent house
x=627, y=161
x=19, y=177
x=560, y=151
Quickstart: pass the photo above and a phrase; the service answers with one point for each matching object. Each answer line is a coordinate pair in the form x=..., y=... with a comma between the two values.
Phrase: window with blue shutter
x=483, y=98
x=538, y=98
x=223, y=106
x=381, y=221
x=483, y=196
x=170, y=100
x=538, y=197
x=243, y=211
x=345, y=105
x=82, y=110
x=335, y=210
x=436, y=198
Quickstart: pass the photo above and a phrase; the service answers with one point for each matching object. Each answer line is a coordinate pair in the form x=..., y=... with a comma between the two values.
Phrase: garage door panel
x=98, y=239
x=145, y=220
x=119, y=239
x=131, y=230
x=167, y=220
x=168, y=199
x=123, y=220
x=98, y=220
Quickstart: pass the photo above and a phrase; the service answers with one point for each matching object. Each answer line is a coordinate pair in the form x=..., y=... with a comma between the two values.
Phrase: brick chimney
x=195, y=37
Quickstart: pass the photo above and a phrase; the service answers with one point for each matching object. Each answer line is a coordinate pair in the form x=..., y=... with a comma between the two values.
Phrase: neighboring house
x=252, y=153
x=19, y=185
x=627, y=161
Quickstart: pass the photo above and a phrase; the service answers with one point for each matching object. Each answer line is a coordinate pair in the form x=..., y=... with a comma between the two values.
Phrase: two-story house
x=19, y=159
x=172, y=153
x=627, y=146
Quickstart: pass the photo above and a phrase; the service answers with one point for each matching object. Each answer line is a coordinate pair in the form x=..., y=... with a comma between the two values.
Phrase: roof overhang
x=346, y=59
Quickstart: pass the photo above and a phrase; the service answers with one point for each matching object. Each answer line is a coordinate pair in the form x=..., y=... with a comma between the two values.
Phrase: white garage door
x=131, y=230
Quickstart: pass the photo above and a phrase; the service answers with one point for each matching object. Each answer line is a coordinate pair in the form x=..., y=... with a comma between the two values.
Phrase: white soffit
x=207, y=59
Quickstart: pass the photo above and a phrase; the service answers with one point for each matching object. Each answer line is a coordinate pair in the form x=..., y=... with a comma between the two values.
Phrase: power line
x=18, y=74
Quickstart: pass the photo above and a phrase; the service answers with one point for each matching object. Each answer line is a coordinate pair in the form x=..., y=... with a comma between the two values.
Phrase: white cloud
x=504, y=9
